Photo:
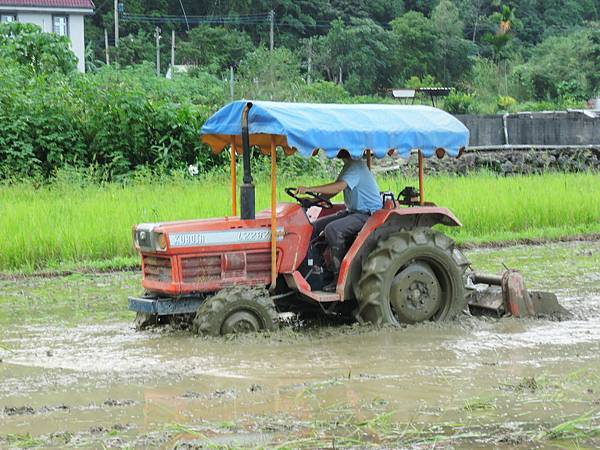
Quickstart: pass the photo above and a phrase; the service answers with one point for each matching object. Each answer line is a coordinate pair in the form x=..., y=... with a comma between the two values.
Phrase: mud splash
x=74, y=372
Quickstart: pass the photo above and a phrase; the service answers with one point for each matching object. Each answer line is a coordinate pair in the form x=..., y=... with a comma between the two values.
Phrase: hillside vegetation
x=118, y=119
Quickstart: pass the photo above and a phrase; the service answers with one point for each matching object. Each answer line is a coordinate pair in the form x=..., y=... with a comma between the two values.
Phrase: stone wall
x=503, y=162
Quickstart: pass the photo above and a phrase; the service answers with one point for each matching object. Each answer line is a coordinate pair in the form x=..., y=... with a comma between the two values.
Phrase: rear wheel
x=410, y=277
x=239, y=309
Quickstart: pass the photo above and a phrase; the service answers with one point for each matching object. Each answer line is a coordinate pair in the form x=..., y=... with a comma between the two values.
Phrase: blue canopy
x=306, y=127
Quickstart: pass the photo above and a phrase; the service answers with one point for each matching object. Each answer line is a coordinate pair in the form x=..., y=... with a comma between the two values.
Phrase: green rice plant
x=23, y=440
x=575, y=429
x=479, y=404
x=71, y=223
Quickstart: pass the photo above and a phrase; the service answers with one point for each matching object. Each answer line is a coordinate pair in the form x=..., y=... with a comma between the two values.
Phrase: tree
x=422, y=6
x=594, y=60
x=561, y=66
x=215, y=48
x=499, y=40
x=453, y=50
x=415, y=46
x=357, y=55
x=135, y=49
x=382, y=11
x=474, y=14
x=26, y=44
x=267, y=75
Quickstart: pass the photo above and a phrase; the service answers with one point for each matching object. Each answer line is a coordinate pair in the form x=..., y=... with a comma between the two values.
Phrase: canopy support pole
x=421, y=187
x=233, y=178
x=273, y=214
x=247, y=200
x=369, y=159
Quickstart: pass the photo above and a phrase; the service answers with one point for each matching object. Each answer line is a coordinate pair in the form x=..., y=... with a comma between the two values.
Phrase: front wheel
x=235, y=310
x=410, y=277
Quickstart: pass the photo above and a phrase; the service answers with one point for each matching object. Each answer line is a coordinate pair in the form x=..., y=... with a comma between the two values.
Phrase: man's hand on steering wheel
x=309, y=198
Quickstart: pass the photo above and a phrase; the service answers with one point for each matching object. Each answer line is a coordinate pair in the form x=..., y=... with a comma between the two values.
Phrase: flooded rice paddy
x=74, y=372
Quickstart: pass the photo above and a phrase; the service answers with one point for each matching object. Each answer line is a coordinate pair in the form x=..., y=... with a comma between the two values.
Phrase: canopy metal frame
x=268, y=143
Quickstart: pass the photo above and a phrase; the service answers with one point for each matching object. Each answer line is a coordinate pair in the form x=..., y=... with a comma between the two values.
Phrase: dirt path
x=75, y=373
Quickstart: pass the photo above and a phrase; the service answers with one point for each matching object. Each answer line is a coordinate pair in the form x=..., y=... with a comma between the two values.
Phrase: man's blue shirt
x=362, y=192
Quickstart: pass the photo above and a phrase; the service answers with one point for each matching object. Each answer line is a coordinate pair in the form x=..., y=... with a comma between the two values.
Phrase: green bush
x=25, y=44
x=505, y=102
x=325, y=92
x=459, y=103
x=115, y=119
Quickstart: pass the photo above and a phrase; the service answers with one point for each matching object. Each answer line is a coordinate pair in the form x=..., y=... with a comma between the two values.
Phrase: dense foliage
x=114, y=121
x=368, y=47
x=511, y=56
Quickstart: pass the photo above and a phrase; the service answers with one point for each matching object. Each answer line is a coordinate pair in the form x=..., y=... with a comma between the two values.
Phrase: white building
x=63, y=17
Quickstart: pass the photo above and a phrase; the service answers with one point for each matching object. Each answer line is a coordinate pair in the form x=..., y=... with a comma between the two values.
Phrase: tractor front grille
x=158, y=268
x=225, y=267
x=258, y=265
x=201, y=269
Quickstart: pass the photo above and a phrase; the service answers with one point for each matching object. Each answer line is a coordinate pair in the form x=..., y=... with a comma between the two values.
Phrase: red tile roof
x=86, y=4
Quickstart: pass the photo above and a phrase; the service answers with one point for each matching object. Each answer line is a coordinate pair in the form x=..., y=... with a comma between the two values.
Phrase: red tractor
x=235, y=274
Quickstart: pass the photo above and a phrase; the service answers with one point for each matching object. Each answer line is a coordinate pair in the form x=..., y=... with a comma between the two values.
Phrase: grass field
x=67, y=224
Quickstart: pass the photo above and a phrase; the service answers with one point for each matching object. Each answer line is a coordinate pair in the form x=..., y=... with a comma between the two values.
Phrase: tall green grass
x=71, y=223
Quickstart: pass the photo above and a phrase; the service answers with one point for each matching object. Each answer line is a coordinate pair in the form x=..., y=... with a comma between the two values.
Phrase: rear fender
x=380, y=225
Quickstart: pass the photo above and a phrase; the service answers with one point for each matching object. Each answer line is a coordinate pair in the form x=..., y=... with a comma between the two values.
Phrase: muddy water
x=75, y=373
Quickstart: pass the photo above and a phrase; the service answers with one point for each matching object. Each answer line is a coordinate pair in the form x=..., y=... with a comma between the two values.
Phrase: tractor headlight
x=134, y=233
x=146, y=239
x=161, y=241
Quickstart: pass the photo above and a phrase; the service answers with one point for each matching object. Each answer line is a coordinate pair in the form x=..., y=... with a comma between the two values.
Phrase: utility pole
x=157, y=37
x=116, y=23
x=231, y=81
x=106, y=47
x=309, y=68
x=271, y=31
x=172, y=53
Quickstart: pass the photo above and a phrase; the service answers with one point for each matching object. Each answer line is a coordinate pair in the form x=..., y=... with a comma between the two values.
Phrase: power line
x=248, y=19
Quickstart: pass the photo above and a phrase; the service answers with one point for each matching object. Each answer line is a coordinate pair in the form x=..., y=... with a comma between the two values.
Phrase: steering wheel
x=310, y=199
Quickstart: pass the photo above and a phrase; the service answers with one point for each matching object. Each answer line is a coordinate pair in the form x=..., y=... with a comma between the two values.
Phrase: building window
x=8, y=18
x=60, y=25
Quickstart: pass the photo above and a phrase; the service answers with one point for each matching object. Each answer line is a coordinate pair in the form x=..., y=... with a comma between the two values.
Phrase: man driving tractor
x=361, y=197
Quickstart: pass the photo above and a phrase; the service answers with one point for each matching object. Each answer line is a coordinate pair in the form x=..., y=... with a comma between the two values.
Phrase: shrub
x=116, y=120
x=40, y=52
x=505, y=102
x=459, y=103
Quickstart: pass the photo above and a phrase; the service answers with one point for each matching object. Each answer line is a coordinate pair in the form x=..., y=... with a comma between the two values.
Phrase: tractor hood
x=206, y=233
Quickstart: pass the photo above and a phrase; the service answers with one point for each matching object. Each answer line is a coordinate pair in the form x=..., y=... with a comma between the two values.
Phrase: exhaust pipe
x=247, y=192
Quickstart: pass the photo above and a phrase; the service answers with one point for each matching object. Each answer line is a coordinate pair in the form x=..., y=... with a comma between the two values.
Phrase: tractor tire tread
x=215, y=309
x=375, y=267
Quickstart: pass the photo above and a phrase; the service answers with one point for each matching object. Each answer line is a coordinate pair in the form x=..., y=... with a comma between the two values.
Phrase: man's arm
x=326, y=190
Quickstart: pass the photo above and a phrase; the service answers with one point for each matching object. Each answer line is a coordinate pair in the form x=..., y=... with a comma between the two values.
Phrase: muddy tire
x=239, y=309
x=412, y=276
x=145, y=320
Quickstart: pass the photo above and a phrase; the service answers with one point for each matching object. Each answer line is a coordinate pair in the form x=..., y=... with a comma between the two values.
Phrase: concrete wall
x=76, y=31
x=43, y=20
x=556, y=128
